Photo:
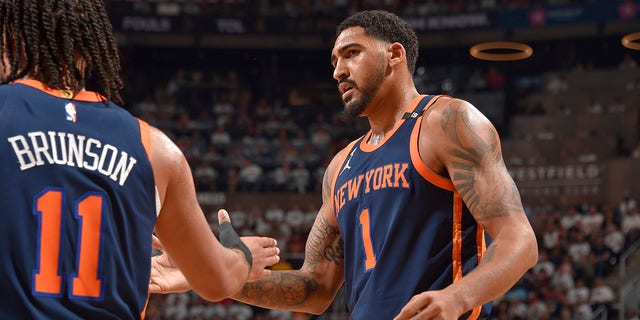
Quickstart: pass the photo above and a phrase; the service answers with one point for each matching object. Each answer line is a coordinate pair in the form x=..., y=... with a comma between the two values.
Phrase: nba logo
x=70, y=109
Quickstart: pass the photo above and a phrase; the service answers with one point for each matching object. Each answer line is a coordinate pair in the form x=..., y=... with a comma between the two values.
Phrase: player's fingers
x=154, y=288
x=268, y=242
x=273, y=260
x=410, y=309
x=155, y=242
x=269, y=256
x=431, y=311
x=223, y=216
x=406, y=313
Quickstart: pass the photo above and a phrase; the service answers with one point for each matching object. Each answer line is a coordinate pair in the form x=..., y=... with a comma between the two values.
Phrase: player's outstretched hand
x=165, y=276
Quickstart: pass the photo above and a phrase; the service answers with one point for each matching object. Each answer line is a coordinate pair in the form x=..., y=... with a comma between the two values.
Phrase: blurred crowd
x=304, y=8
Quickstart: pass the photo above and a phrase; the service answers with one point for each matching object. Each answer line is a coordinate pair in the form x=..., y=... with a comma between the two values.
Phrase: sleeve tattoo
x=492, y=195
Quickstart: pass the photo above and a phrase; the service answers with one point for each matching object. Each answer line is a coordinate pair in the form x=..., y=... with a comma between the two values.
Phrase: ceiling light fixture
x=523, y=51
x=630, y=41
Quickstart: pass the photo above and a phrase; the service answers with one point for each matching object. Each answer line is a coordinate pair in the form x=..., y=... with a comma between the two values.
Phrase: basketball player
x=83, y=183
x=406, y=207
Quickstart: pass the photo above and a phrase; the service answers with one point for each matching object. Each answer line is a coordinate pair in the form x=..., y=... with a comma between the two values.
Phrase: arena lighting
x=631, y=41
x=523, y=51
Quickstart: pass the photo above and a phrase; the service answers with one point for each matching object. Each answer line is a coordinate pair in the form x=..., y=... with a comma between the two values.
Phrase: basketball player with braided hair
x=84, y=184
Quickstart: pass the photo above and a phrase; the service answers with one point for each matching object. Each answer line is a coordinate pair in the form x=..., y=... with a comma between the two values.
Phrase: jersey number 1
x=370, y=261
x=47, y=278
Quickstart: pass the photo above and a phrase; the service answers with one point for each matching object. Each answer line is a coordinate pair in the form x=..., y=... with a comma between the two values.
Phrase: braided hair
x=60, y=43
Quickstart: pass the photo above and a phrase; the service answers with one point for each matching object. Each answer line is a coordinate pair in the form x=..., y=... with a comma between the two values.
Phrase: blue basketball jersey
x=77, y=204
x=406, y=228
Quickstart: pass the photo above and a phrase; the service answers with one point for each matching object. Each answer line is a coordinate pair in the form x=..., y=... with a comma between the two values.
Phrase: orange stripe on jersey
x=143, y=313
x=480, y=242
x=366, y=147
x=145, y=136
x=456, y=237
x=482, y=248
x=475, y=314
x=422, y=168
x=88, y=96
x=336, y=172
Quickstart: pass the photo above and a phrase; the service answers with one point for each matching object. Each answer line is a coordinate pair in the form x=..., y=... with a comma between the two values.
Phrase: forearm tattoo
x=284, y=289
x=324, y=244
x=280, y=290
x=492, y=195
x=488, y=255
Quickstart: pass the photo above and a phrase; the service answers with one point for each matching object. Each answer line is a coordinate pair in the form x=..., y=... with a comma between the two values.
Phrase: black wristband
x=230, y=239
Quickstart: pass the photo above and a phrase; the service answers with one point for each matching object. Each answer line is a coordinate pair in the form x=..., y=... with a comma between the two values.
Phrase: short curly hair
x=388, y=27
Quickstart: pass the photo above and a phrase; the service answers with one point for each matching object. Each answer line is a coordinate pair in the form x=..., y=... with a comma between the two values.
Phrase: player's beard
x=355, y=107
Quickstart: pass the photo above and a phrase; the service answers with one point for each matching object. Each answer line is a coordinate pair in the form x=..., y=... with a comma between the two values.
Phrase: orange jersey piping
x=88, y=96
x=367, y=147
x=336, y=172
x=416, y=160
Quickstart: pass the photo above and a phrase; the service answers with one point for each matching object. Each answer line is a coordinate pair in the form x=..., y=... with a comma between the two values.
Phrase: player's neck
x=375, y=139
x=388, y=112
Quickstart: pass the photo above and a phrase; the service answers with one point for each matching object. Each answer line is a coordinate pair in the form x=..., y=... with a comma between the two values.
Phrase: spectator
x=238, y=311
x=550, y=234
x=626, y=203
x=593, y=106
x=617, y=106
x=220, y=138
x=579, y=294
x=600, y=257
x=294, y=217
x=592, y=220
x=232, y=180
x=631, y=226
x=570, y=219
x=274, y=213
x=557, y=83
x=614, y=239
x=320, y=139
x=602, y=295
x=281, y=178
x=205, y=176
x=301, y=178
x=562, y=279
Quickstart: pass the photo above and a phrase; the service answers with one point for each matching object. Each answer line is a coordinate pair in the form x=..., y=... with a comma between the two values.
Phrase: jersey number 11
x=88, y=210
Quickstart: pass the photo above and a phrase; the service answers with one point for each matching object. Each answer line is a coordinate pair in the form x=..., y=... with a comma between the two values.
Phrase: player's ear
x=397, y=54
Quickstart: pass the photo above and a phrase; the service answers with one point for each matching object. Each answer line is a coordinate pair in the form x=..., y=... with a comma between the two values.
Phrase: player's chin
x=351, y=104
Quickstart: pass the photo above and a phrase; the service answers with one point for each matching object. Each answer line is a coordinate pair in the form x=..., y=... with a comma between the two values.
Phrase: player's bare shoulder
x=454, y=128
x=167, y=160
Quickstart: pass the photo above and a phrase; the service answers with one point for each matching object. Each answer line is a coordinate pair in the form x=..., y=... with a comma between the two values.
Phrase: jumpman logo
x=346, y=165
